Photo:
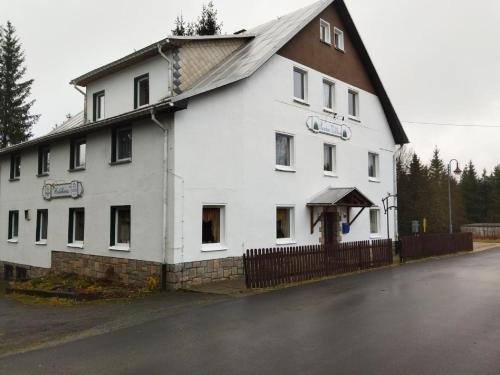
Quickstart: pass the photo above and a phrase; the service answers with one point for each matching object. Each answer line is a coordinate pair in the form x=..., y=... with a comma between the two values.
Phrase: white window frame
x=332, y=91
x=355, y=116
x=221, y=245
x=77, y=244
x=285, y=168
x=100, y=106
x=305, y=83
x=45, y=156
x=328, y=32
x=11, y=237
x=117, y=144
x=77, y=155
x=375, y=178
x=340, y=33
x=378, y=217
x=138, y=91
x=121, y=246
x=41, y=241
x=291, y=211
x=333, y=172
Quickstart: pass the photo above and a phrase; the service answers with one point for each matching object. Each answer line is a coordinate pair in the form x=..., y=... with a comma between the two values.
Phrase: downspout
x=395, y=189
x=170, y=65
x=84, y=102
x=164, y=197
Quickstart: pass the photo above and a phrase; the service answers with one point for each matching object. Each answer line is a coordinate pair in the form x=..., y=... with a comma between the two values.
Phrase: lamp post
x=457, y=171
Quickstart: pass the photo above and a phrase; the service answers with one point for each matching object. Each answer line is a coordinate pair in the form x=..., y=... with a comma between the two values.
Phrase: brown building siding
x=307, y=49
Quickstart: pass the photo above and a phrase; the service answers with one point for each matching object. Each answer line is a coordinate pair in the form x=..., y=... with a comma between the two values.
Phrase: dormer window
x=141, y=91
x=99, y=105
x=324, y=32
x=338, y=39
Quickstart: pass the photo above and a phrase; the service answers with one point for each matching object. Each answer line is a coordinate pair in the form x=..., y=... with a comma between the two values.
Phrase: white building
x=194, y=149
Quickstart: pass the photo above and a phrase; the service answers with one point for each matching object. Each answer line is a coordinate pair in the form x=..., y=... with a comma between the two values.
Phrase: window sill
x=122, y=161
x=301, y=101
x=354, y=118
x=326, y=42
x=330, y=174
x=285, y=241
x=284, y=168
x=340, y=49
x=75, y=245
x=44, y=174
x=207, y=247
x=14, y=179
x=12, y=241
x=41, y=243
x=77, y=169
x=120, y=248
x=375, y=236
x=373, y=179
x=328, y=110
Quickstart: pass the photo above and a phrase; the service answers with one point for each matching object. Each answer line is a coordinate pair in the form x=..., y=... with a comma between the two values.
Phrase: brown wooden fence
x=422, y=246
x=273, y=266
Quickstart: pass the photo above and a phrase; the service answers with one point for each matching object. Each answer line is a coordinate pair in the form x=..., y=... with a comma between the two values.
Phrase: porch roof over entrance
x=346, y=197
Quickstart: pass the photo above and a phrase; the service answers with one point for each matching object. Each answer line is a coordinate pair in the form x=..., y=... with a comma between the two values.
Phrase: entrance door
x=330, y=230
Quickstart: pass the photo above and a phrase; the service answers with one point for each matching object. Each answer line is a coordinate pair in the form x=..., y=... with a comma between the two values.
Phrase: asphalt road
x=435, y=317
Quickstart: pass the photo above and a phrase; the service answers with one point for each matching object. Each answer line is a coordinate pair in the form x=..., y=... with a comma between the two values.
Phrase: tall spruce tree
x=207, y=23
x=438, y=194
x=16, y=119
x=469, y=187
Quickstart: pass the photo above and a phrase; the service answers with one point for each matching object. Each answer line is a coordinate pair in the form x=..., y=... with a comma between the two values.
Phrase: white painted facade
x=221, y=151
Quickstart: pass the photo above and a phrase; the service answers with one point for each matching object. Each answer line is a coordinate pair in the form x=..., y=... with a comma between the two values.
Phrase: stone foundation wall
x=128, y=271
x=187, y=274
x=31, y=271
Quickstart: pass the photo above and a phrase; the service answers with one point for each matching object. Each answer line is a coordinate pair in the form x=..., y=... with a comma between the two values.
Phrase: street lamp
x=457, y=171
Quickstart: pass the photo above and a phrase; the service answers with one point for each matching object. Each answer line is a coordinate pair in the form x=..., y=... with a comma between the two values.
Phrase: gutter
x=84, y=102
x=164, y=197
x=170, y=68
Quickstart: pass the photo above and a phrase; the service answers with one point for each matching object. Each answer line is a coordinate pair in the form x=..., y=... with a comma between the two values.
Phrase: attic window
x=324, y=32
x=338, y=39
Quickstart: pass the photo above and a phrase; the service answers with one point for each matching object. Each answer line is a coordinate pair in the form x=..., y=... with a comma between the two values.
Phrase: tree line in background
x=423, y=193
x=16, y=119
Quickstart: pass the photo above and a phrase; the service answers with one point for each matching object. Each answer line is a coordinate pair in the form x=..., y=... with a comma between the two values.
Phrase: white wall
x=225, y=153
x=138, y=184
x=119, y=87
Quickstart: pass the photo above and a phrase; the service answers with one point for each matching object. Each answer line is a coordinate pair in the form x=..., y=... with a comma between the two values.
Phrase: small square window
x=141, y=91
x=43, y=160
x=338, y=36
x=78, y=153
x=15, y=166
x=353, y=99
x=76, y=227
x=329, y=164
x=42, y=222
x=13, y=225
x=99, y=105
x=374, y=221
x=328, y=94
x=299, y=84
x=324, y=31
x=121, y=147
x=120, y=227
x=213, y=225
x=284, y=150
x=373, y=165
x=284, y=224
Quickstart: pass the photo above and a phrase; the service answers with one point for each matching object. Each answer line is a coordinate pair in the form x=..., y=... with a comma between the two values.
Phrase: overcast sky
x=438, y=59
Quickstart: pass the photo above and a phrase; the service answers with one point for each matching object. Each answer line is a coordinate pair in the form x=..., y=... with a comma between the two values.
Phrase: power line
x=452, y=124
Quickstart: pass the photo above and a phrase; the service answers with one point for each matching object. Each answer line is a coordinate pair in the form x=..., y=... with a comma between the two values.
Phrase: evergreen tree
x=437, y=213
x=207, y=22
x=469, y=187
x=484, y=196
x=16, y=119
x=494, y=206
x=183, y=28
